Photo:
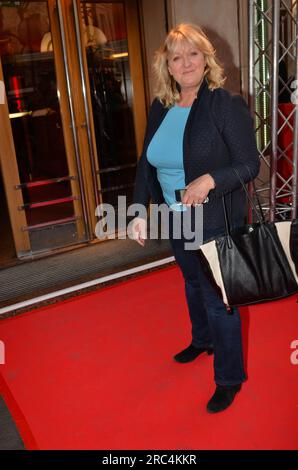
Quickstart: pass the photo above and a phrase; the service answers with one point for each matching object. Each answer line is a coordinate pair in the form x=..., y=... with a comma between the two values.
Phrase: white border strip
x=84, y=285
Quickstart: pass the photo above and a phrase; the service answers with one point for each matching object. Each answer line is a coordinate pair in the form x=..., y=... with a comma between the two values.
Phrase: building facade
x=77, y=86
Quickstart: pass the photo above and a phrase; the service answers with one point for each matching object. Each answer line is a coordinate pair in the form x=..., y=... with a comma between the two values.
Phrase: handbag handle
x=261, y=218
x=227, y=222
x=256, y=194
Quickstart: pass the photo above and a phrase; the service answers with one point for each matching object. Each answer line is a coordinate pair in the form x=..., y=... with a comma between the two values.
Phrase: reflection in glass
x=30, y=79
x=105, y=39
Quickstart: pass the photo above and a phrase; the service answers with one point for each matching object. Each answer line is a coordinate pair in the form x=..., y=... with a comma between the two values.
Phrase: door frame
x=134, y=39
x=81, y=93
x=11, y=180
x=78, y=124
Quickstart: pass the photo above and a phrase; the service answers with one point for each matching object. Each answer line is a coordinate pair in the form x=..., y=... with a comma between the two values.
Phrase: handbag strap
x=227, y=223
x=255, y=193
x=260, y=218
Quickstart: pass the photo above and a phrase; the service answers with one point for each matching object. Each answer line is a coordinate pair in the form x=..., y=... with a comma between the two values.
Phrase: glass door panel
x=106, y=45
x=47, y=170
x=7, y=250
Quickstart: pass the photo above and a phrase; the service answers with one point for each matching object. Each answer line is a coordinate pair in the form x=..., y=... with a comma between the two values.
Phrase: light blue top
x=165, y=152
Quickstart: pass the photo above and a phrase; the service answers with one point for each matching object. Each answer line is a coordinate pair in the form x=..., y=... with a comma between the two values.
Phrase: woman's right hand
x=139, y=230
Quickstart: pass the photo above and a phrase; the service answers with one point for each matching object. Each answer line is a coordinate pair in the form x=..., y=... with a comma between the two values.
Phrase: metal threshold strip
x=85, y=285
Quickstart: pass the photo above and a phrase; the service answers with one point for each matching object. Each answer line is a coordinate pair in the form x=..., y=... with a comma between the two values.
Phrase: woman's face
x=186, y=64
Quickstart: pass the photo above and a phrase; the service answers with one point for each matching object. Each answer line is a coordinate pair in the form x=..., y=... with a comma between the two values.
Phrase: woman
x=197, y=133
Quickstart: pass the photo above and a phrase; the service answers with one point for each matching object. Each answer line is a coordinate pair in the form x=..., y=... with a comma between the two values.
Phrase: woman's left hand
x=198, y=190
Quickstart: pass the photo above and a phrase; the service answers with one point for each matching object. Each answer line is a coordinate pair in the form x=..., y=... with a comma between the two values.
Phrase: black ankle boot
x=222, y=398
x=190, y=353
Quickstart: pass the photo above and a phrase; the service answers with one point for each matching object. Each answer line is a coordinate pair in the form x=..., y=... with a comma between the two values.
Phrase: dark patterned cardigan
x=219, y=136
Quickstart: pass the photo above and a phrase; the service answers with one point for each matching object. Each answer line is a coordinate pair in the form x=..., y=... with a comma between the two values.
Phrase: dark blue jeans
x=212, y=324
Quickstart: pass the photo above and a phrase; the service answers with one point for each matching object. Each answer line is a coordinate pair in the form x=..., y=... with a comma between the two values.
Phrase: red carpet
x=96, y=372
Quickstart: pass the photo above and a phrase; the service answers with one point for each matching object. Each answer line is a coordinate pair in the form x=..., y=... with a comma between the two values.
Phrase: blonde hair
x=166, y=88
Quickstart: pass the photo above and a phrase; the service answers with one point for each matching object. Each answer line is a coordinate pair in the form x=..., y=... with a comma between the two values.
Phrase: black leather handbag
x=256, y=262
